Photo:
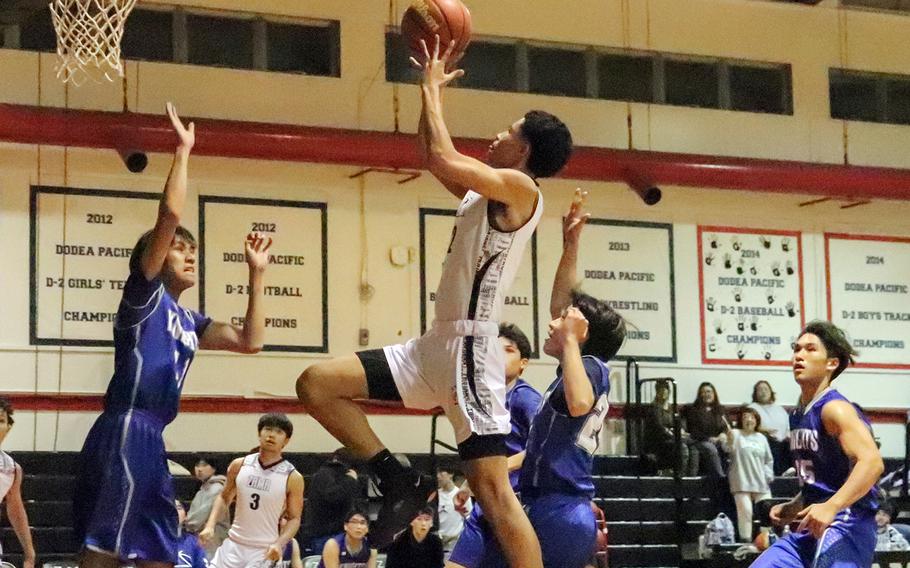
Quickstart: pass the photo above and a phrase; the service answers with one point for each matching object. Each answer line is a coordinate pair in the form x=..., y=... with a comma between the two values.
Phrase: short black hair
x=835, y=341
x=7, y=407
x=550, y=141
x=606, y=328
x=207, y=460
x=355, y=510
x=276, y=420
x=427, y=510
x=514, y=334
x=146, y=238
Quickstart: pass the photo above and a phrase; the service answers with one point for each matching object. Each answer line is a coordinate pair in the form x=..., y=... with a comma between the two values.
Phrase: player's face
x=5, y=426
x=515, y=364
x=272, y=439
x=180, y=264
x=810, y=360
x=356, y=527
x=422, y=525
x=509, y=148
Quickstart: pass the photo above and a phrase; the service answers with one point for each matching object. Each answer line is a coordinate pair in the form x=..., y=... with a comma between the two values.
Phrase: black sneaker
x=402, y=499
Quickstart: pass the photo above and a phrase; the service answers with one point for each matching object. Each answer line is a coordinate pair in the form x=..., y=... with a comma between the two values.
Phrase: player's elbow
x=251, y=348
x=580, y=406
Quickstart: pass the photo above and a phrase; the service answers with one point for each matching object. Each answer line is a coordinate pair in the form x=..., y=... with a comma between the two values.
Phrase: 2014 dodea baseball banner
x=751, y=294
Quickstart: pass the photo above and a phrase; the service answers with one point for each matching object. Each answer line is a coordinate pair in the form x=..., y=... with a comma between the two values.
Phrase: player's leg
x=474, y=541
x=848, y=542
x=328, y=390
x=489, y=480
x=566, y=527
x=790, y=551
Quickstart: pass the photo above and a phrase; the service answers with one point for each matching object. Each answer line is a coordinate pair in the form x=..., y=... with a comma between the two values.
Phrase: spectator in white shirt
x=751, y=468
x=775, y=424
x=451, y=517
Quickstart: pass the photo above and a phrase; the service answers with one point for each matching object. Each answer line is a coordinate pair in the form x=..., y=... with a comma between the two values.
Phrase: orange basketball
x=425, y=19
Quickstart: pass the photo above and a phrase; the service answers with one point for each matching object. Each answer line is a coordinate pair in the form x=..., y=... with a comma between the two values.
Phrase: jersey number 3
x=254, y=501
x=589, y=437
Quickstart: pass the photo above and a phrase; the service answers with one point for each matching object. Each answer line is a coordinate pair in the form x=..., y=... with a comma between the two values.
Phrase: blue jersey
x=189, y=553
x=522, y=402
x=561, y=448
x=819, y=460
x=154, y=342
x=348, y=559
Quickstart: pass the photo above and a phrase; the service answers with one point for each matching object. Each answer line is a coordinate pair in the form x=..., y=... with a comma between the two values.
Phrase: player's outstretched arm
x=842, y=421
x=223, y=502
x=566, y=278
x=571, y=333
x=249, y=337
x=371, y=563
x=452, y=168
x=170, y=208
x=18, y=518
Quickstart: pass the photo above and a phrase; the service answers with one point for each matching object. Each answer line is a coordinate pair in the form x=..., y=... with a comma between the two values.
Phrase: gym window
x=235, y=40
x=512, y=65
x=869, y=97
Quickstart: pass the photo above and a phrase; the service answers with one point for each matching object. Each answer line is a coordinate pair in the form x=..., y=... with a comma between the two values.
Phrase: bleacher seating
x=653, y=521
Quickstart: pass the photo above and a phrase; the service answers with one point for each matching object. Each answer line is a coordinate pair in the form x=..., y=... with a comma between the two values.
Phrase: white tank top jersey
x=261, y=500
x=481, y=262
x=7, y=474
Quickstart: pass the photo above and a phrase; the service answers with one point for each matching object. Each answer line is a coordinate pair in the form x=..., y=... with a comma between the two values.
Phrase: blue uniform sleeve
x=200, y=322
x=524, y=408
x=140, y=298
x=599, y=381
x=199, y=559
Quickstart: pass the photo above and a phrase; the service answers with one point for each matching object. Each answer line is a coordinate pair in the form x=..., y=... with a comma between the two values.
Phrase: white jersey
x=261, y=500
x=7, y=474
x=481, y=262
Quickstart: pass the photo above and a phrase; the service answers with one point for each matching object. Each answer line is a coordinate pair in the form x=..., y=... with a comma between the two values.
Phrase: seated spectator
x=417, y=547
x=775, y=423
x=351, y=548
x=451, y=513
x=751, y=468
x=189, y=552
x=201, y=506
x=659, y=439
x=704, y=421
x=333, y=490
x=887, y=537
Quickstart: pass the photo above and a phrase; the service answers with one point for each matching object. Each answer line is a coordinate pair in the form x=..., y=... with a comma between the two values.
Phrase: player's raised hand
x=256, y=247
x=186, y=134
x=574, y=221
x=573, y=326
x=435, y=66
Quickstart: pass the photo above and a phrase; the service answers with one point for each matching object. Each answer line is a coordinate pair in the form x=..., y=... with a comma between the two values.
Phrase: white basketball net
x=88, y=38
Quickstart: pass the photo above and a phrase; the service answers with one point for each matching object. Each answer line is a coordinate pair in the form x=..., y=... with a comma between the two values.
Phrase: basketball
x=425, y=19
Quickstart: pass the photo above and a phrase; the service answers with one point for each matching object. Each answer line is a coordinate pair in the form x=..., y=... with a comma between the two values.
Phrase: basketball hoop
x=88, y=38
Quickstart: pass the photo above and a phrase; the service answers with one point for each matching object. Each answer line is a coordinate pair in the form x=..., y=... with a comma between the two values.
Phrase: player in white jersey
x=266, y=488
x=11, y=490
x=459, y=363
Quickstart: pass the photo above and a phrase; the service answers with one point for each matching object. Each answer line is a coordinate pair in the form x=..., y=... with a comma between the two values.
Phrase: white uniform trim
x=123, y=437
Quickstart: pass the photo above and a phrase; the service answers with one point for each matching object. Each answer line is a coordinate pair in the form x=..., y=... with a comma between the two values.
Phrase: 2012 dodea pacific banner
x=296, y=294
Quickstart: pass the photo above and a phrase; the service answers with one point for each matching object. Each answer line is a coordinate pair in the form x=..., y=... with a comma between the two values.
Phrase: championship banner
x=80, y=242
x=296, y=280
x=520, y=301
x=868, y=282
x=630, y=265
x=751, y=295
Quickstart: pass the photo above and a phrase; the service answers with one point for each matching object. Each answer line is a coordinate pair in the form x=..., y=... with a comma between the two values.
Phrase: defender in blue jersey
x=556, y=483
x=522, y=401
x=123, y=505
x=837, y=462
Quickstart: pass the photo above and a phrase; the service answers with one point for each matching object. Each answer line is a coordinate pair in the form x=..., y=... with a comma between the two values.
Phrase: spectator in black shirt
x=416, y=547
x=331, y=493
x=704, y=421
